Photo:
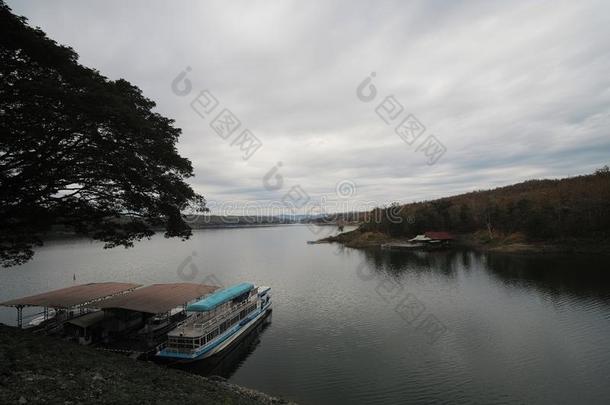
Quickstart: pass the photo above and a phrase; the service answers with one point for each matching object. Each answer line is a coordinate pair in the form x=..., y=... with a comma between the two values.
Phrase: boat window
x=212, y=335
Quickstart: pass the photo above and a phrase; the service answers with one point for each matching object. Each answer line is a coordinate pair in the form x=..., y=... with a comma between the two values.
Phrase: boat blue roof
x=220, y=297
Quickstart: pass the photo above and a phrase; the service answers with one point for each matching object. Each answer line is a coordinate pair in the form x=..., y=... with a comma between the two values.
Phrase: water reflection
x=575, y=275
x=554, y=275
x=520, y=329
x=394, y=262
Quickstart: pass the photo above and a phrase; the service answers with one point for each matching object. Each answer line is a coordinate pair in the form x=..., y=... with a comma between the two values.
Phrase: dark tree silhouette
x=79, y=151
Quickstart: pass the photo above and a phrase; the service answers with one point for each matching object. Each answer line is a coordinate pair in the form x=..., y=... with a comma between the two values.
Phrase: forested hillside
x=540, y=209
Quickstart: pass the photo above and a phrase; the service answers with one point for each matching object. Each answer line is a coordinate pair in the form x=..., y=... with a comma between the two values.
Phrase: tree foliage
x=80, y=151
x=541, y=209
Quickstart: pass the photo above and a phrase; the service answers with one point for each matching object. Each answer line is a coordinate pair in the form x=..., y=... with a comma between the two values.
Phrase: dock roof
x=72, y=296
x=84, y=321
x=157, y=298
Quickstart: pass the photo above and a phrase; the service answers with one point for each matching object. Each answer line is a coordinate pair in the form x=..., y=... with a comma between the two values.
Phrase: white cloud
x=514, y=90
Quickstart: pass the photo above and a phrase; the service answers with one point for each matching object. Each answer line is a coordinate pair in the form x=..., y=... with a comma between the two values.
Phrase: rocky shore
x=39, y=369
x=511, y=243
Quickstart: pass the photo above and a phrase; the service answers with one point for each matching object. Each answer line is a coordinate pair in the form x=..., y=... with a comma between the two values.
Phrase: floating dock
x=402, y=245
x=157, y=298
x=69, y=298
x=122, y=317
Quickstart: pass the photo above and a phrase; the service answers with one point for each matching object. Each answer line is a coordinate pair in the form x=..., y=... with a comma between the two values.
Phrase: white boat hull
x=237, y=335
x=222, y=342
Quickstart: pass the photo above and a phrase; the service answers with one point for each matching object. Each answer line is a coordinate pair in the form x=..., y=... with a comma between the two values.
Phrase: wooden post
x=20, y=316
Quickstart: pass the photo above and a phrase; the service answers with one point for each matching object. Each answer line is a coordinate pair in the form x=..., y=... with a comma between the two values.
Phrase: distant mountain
x=211, y=221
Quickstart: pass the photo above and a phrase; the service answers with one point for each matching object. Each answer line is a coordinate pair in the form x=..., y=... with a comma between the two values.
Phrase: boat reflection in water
x=227, y=362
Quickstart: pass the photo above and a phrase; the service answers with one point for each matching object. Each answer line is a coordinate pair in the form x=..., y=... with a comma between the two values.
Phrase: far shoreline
x=359, y=239
x=58, y=235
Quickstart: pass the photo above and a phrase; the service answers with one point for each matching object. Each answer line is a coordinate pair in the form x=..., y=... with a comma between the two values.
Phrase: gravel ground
x=38, y=369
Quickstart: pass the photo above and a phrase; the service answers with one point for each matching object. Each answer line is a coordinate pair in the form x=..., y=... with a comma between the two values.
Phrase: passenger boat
x=217, y=321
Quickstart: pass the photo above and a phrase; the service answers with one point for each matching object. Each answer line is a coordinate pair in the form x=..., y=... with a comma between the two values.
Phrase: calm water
x=518, y=329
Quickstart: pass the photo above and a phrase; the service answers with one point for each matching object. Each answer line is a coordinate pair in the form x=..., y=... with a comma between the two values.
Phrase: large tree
x=79, y=151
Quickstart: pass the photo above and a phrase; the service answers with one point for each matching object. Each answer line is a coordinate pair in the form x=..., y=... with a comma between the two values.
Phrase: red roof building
x=439, y=236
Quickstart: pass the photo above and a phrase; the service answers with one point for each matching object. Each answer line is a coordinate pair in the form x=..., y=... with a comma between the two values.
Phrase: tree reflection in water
x=549, y=274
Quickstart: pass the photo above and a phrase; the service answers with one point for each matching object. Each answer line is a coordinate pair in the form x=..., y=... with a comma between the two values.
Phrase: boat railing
x=215, y=320
x=179, y=351
x=223, y=317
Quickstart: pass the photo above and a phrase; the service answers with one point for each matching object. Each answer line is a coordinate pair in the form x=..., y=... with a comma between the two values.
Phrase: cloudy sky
x=511, y=90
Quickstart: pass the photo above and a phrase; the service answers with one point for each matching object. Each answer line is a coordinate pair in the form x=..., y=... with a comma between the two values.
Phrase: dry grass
x=37, y=369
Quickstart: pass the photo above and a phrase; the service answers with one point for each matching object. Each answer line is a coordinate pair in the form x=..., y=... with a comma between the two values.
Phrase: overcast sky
x=512, y=90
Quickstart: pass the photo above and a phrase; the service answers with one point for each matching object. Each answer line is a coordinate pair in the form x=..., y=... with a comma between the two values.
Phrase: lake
x=376, y=326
